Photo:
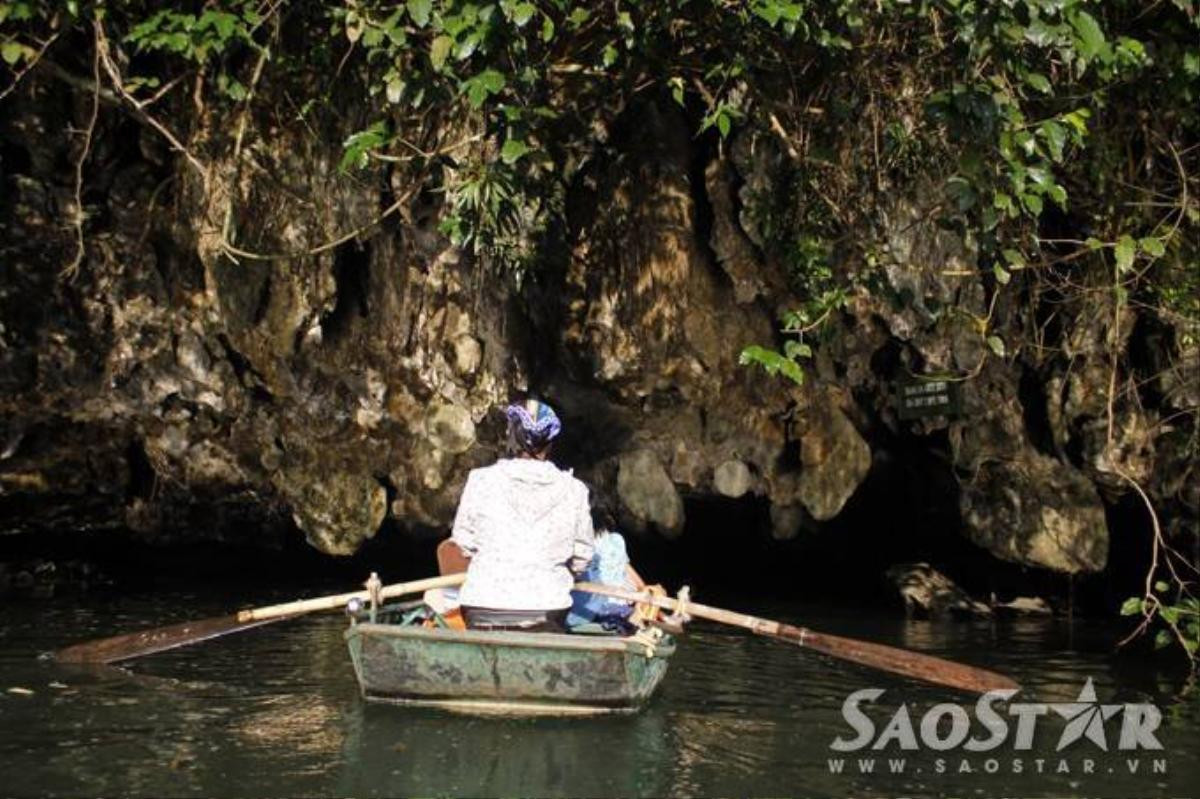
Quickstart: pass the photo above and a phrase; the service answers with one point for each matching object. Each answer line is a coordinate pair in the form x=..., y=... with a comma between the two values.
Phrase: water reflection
x=403, y=751
x=300, y=723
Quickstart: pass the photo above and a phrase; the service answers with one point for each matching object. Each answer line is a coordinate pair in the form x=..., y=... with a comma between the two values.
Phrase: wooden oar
x=131, y=645
x=876, y=656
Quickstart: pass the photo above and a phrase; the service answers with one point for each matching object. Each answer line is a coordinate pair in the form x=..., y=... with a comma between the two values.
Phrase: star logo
x=1085, y=718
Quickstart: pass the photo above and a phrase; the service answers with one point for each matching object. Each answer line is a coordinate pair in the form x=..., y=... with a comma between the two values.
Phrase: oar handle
x=340, y=600
x=690, y=608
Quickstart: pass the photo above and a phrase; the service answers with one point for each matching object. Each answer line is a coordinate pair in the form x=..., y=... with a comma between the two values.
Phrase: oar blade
x=915, y=665
x=159, y=639
x=131, y=645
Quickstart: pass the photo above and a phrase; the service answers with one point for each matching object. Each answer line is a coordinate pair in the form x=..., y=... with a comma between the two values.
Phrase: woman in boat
x=526, y=528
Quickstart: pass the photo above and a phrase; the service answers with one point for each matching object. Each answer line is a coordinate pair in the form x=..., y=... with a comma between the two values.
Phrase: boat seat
x=591, y=628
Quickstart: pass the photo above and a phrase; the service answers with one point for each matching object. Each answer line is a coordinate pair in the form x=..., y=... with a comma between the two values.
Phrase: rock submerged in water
x=1025, y=606
x=927, y=592
x=41, y=578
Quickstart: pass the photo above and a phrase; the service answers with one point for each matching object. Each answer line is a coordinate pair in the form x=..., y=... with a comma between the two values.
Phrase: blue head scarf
x=532, y=425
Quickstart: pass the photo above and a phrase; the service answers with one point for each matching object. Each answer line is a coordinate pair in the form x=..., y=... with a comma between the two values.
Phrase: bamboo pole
x=336, y=601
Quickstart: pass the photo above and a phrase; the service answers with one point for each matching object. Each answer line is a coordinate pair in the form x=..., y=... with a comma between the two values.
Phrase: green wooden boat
x=398, y=660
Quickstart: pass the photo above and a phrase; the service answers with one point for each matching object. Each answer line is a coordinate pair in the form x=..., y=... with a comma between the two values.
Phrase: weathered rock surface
x=336, y=512
x=927, y=592
x=835, y=458
x=1025, y=606
x=173, y=390
x=450, y=428
x=732, y=479
x=1038, y=512
x=1018, y=503
x=647, y=493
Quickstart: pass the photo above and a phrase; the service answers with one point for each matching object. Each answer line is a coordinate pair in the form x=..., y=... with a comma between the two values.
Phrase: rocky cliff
x=168, y=386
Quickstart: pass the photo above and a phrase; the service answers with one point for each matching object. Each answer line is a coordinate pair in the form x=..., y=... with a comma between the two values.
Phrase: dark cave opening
x=14, y=159
x=352, y=279
x=142, y=478
x=905, y=511
x=1030, y=388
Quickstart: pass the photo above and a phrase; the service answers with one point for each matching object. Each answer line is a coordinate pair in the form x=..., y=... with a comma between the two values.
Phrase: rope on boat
x=649, y=638
x=681, y=602
x=374, y=588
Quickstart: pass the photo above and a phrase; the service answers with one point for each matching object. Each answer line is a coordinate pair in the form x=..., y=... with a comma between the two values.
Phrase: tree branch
x=78, y=216
x=32, y=62
x=114, y=76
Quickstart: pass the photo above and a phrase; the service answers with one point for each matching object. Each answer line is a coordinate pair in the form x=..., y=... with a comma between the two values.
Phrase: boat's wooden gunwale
x=501, y=707
x=506, y=638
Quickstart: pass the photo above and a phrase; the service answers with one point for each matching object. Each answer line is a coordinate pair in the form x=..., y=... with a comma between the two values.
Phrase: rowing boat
x=398, y=659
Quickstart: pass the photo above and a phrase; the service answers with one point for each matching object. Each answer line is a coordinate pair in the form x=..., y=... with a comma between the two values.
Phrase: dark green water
x=275, y=712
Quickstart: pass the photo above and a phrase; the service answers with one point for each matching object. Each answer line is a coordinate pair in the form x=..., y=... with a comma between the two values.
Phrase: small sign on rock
x=923, y=397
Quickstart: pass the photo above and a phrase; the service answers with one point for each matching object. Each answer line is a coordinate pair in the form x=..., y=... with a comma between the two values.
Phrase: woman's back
x=525, y=524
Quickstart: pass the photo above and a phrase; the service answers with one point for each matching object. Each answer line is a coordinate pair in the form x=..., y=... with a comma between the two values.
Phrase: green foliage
x=1010, y=94
x=479, y=88
x=358, y=146
x=773, y=363
x=721, y=117
x=13, y=51
x=196, y=37
x=16, y=17
x=489, y=215
x=997, y=104
x=1174, y=613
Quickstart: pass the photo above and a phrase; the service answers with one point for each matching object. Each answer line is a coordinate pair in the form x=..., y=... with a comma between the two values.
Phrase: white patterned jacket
x=527, y=528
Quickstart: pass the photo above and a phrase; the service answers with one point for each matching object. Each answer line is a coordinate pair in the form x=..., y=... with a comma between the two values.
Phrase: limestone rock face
x=925, y=264
x=647, y=493
x=734, y=250
x=336, y=511
x=467, y=355
x=167, y=389
x=732, y=479
x=653, y=322
x=1018, y=503
x=835, y=459
x=450, y=428
x=1048, y=515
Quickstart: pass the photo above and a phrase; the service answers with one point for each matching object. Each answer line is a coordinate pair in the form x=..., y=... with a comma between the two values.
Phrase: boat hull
x=506, y=672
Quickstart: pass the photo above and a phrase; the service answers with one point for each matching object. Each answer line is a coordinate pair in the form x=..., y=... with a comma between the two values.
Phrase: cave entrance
x=905, y=511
